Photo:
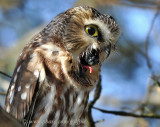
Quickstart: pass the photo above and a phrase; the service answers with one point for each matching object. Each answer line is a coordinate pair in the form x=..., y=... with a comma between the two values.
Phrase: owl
x=59, y=67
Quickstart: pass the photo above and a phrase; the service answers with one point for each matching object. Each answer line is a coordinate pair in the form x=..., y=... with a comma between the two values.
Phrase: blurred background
x=130, y=77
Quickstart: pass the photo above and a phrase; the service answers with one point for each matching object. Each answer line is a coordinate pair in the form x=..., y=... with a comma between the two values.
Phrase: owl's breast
x=60, y=105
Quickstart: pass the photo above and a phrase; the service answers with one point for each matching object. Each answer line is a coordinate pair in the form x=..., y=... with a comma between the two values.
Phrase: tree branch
x=97, y=93
x=122, y=113
x=149, y=5
x=99, y=121
x=147, y=41
x=3, y=93
x=5, y=74
x=6, y=120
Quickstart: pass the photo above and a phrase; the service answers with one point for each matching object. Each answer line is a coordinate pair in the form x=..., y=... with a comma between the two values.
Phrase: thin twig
x=5, y=74
x=3, y=93
x=147, y=42
x=99, y=121
x=7, y=120
x=128, y=114
x=150, y=89
x=148, y=60
x=149, y=5
x=97, y=93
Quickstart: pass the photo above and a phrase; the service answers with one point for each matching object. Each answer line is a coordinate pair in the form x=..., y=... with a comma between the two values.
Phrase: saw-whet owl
x=59, y=67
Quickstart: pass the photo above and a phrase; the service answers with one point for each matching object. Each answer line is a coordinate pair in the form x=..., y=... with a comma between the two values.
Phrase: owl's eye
x=92, y=30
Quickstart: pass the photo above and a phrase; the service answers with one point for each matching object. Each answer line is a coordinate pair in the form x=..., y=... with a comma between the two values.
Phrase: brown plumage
x=53, y=76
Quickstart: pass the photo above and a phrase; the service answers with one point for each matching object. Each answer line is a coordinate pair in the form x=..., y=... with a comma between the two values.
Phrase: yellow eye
x=92, y=30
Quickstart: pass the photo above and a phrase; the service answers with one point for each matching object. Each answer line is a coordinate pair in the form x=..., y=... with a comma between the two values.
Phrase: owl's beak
x=89, y=59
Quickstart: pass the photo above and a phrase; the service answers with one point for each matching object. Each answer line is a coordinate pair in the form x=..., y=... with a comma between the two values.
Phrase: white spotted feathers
x=24, y=96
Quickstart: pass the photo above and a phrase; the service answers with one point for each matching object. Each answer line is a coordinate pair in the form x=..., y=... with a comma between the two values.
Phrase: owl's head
x=89, y=37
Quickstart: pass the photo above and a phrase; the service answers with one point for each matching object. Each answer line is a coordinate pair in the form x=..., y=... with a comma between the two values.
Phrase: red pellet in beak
x=89, y=68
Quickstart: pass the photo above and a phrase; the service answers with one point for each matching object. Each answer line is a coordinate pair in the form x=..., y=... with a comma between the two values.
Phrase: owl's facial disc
x=91, y=56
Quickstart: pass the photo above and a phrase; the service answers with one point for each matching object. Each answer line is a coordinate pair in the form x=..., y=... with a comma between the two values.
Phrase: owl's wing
x=24, y=85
